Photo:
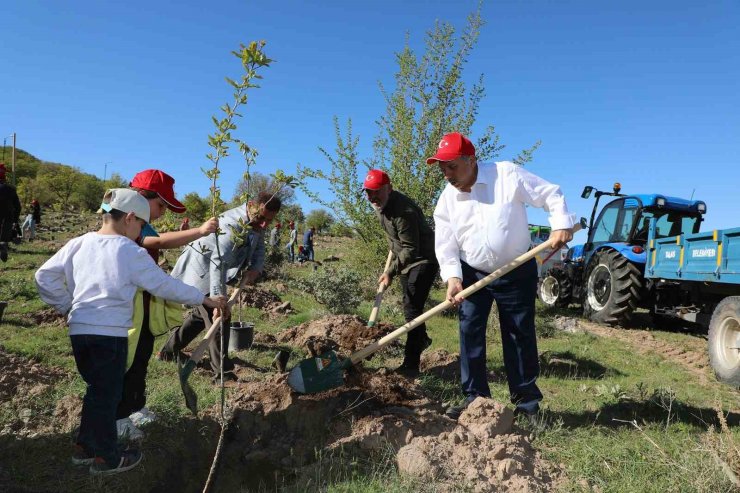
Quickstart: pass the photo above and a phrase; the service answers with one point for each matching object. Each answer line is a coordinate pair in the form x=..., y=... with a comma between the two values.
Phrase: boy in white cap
x=92, y=280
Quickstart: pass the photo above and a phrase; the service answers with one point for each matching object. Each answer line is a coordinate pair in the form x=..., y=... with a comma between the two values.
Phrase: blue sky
x=641, y=92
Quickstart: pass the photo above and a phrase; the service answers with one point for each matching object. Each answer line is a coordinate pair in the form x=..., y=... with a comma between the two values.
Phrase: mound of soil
x=22, y=383
x=48, y=316
x=348, y=333
x=264, y=300
x=22, y=377
x=441, y=364
x=276, y=433
x=259, y=298
x=481, y=451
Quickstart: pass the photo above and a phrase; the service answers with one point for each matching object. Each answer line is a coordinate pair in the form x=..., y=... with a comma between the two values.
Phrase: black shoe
x=3, y=252
x=532, y=417
x=408, y=370
x=170, y=357
x=129, y=459
x=454, y=412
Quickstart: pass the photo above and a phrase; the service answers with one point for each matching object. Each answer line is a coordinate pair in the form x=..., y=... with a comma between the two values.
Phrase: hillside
x=56, y=185
x=625, y=410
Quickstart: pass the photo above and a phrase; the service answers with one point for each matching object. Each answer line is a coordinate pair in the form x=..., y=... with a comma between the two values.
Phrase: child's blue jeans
x=101, y=360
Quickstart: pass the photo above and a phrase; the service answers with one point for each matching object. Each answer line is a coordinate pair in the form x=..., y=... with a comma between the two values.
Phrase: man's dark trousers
x=514, y=295
x=416, y=284
x=191, y=327
x=101, y=360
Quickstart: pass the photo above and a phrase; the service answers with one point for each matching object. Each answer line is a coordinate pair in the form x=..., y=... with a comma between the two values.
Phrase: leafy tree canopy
x=430, y=98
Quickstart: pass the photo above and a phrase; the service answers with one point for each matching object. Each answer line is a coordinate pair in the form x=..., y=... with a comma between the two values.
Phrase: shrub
x=274, y=262
x=336, y=288
x=15, y=287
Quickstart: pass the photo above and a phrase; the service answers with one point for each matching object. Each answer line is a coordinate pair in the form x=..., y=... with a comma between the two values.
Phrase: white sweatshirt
x=94, y=278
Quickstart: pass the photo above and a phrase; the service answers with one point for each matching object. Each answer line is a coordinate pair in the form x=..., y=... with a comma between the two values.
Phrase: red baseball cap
x=451, y=147
x=161, y=183
x=375, y=179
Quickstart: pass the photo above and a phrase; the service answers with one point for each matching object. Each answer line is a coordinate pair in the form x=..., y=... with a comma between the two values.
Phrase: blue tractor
x=606, y=275
x=646, y=251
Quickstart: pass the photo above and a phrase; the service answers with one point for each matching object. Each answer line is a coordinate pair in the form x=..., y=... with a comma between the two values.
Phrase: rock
x=414, y=462
x=409, y=436
x=567, y=324
x=486, y=418
x=498, y=453
x=503, y=468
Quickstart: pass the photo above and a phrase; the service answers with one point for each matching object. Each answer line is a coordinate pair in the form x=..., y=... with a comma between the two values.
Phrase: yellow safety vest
x=163, y=316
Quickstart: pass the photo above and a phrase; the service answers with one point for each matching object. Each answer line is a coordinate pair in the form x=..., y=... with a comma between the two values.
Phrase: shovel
x=184, y=370
x=326, y=371
x=379, y=294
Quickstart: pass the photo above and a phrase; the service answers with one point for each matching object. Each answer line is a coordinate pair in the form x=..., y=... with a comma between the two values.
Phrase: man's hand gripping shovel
x=326, y=371
x=184, y=370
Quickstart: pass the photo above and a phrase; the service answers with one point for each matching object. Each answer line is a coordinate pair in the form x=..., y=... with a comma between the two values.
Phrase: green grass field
x=616, y=419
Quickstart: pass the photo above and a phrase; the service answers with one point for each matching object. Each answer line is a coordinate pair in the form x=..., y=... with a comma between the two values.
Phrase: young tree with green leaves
x=196, y=206
x=319, y=219
x=430, y=98
x=259, y=182
x=61, y=180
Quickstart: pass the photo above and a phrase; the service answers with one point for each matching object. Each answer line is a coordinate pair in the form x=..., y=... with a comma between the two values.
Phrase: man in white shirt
x=480, y=225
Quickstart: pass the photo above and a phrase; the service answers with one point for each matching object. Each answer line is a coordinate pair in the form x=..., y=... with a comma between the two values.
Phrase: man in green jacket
x=412, y=244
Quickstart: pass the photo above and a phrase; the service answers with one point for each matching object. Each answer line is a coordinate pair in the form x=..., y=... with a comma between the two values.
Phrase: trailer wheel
x=613, y=287
x=556, y=289
x=724, y=341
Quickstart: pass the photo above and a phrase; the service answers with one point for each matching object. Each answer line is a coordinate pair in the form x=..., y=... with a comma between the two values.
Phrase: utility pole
x=13, y=158
x=105, y=171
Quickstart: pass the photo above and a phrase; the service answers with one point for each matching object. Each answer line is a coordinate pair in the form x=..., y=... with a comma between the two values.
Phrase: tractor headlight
x=660, y=202
x=701, y=207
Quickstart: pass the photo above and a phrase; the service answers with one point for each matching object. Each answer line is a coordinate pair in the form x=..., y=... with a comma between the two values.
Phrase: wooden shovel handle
x=379, y=293
x=377, y=345
x=200, y=350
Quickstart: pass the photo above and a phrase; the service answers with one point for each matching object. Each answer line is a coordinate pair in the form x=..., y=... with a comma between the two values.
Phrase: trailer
x=696, y=278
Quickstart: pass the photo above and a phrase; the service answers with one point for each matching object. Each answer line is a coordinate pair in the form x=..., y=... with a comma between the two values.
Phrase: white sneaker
x=127, y=430
x=142, y=417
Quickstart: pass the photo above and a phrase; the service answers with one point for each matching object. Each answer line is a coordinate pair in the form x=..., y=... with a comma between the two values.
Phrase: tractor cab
x=627, y=223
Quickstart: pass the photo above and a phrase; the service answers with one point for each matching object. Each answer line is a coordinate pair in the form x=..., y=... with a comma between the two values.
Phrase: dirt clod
x=48, y=316
x=264, y=300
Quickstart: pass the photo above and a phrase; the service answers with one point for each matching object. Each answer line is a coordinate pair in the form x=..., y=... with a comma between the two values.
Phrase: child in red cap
x=158, y=188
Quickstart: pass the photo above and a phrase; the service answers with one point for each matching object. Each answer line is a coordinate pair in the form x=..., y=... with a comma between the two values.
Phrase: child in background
x=28, y=228
x=93, y=279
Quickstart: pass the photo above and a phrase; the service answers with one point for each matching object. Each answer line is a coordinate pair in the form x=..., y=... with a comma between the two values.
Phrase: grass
x=615, y=419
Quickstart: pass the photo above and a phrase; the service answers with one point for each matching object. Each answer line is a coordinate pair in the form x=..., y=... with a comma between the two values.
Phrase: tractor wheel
x=724, y=341
x=556, y=289
x=613, y=288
